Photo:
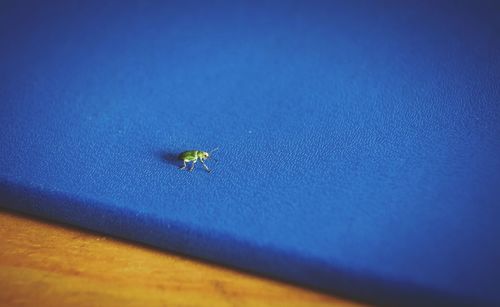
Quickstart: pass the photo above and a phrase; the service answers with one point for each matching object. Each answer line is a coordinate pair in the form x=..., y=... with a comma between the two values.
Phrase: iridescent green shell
x=189, y=156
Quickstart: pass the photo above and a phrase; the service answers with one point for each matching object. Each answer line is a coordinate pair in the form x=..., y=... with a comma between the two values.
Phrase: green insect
x=193, y=156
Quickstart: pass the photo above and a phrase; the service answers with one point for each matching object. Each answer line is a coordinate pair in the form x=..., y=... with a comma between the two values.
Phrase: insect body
x=193, y=156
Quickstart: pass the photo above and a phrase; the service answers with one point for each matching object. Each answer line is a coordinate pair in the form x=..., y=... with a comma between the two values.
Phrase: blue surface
x=359, y=142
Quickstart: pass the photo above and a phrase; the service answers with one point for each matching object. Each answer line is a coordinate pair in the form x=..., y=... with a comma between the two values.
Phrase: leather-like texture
x=359, y=141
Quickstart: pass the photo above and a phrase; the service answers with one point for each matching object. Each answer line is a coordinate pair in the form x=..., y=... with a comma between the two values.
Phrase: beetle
x=193, y=156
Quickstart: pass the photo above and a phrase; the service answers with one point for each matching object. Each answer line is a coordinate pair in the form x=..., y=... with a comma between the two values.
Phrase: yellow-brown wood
x=46, y=264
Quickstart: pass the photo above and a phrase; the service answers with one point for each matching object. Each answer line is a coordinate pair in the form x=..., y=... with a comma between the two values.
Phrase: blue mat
x=359, y=141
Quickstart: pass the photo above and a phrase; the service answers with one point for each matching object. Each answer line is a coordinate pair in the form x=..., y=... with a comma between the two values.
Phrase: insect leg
x=192, y=166
x=184, y=166
x=205, y=166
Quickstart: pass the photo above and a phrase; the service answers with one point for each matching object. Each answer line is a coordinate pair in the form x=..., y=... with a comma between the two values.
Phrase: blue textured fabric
x=359, y=142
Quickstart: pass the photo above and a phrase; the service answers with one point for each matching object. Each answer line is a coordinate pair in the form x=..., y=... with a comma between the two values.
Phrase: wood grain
x=45, y=264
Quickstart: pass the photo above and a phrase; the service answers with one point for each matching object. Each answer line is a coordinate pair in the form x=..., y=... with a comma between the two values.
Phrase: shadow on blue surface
x=168, y=156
